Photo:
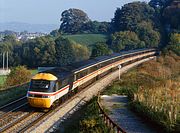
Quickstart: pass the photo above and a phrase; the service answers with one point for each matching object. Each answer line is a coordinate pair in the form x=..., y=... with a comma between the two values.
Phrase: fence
x=108, y=121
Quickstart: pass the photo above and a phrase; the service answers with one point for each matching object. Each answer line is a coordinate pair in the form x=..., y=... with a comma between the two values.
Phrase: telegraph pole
x=3, y=60
x=7, y=60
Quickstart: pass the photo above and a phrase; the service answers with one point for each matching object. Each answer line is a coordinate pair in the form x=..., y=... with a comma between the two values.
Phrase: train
x=48, y=86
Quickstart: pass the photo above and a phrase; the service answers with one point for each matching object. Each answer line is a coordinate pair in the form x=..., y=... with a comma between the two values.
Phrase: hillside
x=87, y=39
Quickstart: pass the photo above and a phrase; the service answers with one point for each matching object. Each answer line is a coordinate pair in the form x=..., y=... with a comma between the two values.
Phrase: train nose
x=40, y=102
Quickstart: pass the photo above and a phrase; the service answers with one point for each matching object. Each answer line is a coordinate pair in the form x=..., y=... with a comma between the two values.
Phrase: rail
x=108, y=121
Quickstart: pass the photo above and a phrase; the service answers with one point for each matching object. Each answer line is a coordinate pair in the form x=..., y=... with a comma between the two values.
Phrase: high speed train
x=48, y=86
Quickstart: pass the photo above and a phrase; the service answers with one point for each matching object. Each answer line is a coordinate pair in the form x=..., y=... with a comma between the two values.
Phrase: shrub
x=18, y=75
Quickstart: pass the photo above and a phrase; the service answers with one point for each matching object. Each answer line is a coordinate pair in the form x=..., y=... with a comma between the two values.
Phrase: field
x=87, y=39
x=2, y=79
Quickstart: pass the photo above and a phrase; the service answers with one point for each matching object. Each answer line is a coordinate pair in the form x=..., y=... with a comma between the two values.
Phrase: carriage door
x=71, y=80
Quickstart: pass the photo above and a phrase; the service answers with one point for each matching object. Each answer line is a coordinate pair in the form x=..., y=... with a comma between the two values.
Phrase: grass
x=88, y=39
x=2, y=79
x=12, y=94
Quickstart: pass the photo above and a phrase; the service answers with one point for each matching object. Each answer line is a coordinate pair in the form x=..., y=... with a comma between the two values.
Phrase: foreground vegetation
x=15, y=85
x=86, y=120
x=154, y=91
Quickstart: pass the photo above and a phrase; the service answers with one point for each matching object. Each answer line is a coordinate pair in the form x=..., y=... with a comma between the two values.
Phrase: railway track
x=12, y=105
x=22, y=117
x=17, y=116
x=12, y=111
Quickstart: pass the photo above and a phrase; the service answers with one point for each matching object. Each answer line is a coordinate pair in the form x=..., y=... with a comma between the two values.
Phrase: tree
x=12, y=46
x=171, y=15
x=96, y=27
x=159, y=3
x=18, y=75
x=68, y=52
x=100, y=49
x=39, y=52
x=147, y=34
x=174, y=43
x=131, y=14
x=73, y=20
x=126, y=40
x=55, y=33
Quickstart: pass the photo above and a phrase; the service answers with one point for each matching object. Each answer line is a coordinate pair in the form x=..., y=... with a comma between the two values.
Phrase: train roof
x=60, y=72
x=64, y=71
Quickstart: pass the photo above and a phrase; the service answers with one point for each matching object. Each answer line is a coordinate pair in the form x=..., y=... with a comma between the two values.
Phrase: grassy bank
x=12, y=93
x=87, y=39
x=154, y=91
x=86, y=120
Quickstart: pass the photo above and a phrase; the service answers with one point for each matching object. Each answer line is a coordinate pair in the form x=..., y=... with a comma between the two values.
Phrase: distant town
x=21, y=36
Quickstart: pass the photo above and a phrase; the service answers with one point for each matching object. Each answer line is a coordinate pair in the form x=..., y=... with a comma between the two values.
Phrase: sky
x=49, y=11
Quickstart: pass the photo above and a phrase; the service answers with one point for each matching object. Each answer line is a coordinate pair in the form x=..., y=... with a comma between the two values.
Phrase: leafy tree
x=18, y=75
x=96, y=27
x=174, y=43
x=147, y=34
x=73, y=20
x=68, y=51
x=55, y=33
x=9, y=38
x=39, y=52
x=100, y=49
x=10, y=45
x=131, y=14
x=159, y=3
x=171, y=15
x=126, y=40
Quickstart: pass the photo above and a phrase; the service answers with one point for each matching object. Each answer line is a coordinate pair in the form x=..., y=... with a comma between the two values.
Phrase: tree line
x=134, y=25
x=43, y=51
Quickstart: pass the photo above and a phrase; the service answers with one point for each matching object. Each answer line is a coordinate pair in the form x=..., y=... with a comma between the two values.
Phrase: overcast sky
x=49, y=11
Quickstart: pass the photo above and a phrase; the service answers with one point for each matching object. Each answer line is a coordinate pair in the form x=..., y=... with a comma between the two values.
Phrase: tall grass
x=154, y=88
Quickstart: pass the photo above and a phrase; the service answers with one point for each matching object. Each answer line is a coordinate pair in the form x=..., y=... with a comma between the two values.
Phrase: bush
x=18, y=75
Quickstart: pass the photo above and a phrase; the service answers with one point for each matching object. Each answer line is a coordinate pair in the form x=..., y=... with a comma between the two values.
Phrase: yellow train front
x=42, y=92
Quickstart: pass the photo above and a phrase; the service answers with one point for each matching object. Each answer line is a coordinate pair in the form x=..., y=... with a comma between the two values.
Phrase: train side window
x=75, y=77
x=57, y=86
x=92, y=69
x=64, y=82
x=78, y=75
x=83, y=73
